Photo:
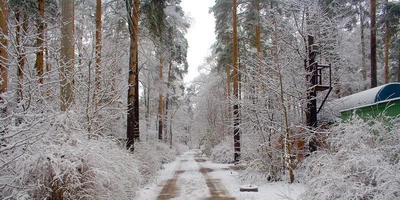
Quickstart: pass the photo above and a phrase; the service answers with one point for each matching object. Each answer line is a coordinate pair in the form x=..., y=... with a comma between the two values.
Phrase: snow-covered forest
x=93, y=104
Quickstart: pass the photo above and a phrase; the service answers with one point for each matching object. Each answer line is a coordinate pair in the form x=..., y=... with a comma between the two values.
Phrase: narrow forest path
x=192, y=176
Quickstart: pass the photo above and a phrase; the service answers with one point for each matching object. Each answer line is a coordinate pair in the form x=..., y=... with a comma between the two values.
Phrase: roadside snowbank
x=63, y=162
x=361, y=162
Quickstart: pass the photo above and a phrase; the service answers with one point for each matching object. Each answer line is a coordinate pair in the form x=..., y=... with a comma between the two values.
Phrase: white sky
x=200, y=35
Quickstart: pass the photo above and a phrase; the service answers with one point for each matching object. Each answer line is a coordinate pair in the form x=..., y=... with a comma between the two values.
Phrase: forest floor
x=193, y=176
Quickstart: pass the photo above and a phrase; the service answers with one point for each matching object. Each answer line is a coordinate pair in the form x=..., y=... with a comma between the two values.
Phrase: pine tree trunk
x=256, y=88
x=98, y=49
x=170, y=133
x=387, y=46
x=147, y=100
x=48, y=66
x=39, y=65
x=258, y=37
x=133, y=81
x=236, y=112
x=46, y=50
x=374, y=81
x=147, y=106
x=362, y=35
x=19, y=33
x=167, y=118
x=160, y=102
x=47, y=61
x=89, y=101
x=228, y=91
x=3, y=47
x=67, y=69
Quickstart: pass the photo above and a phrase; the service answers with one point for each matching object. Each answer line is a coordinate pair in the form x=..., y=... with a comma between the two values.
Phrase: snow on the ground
x=266, y=191
x=191, y=183
x=151, y=190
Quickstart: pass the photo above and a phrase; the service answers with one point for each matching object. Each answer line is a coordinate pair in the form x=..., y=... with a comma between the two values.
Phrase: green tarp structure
x=389, y=108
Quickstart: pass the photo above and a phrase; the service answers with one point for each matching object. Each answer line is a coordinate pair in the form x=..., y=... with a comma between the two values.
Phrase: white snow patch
x=266, y=190
x=191, y=183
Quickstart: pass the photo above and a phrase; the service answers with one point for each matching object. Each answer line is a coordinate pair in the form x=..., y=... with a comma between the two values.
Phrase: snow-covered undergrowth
x=259, y=162
x=361, y=162
x=151, y=158
x=53, y=158
x=223, y=152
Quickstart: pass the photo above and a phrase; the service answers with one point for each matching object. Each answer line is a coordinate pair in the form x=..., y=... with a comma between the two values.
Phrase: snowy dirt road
x=193, y=177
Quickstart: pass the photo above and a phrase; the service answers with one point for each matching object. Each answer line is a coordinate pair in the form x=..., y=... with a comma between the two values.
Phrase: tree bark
x=228, y=90
x=363, y=62
x=147, y=91
x=21, y=29
x=48, y=66
x=387, y=46
x=98, y=45
x=67, y=69
x=3, y=47
x=39, y=65
x=160, y=102
x=88, y=101
x=133, y=89
x=257, y=90
x=236, y=112
x=167, y=118
x=258, y=36
x=374, y=81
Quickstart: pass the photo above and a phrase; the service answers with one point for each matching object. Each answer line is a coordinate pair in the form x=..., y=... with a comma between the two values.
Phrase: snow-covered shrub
x=151, y=157
x=65, y=164
x=180, y=148
x=54, y=158
x=262, y=156
x=264, y=161
x=166, y=153
x=360, y=162
x=223, y=152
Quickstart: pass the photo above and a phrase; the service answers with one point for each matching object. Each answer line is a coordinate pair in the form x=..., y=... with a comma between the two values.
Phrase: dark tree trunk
x=40, y=41
x=21, y=29
x=236, y=111
x=133, y=90
x=374, y=81
x=98, y=49
x=67, y=71
x=363, y=63
x=3, y=46
x=167, y=118
x=160, y=102
x=387, y=46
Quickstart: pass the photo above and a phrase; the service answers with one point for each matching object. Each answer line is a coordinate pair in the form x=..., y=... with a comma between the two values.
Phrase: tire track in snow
x=188, y=183
x=170, y=189
x=216, y=188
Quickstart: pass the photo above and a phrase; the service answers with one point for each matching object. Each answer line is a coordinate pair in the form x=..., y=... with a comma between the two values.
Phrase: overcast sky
x=200, y=35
